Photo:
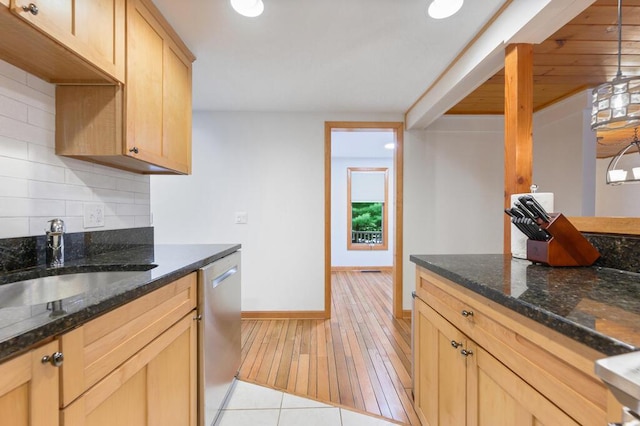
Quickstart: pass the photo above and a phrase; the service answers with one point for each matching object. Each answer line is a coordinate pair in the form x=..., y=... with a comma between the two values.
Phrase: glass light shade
x=616, y=104
x=248, y=8
x=625, y=166
x=441, y=9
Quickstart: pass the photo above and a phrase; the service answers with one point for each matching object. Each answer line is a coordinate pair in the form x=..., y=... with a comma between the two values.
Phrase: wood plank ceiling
x=579, y=56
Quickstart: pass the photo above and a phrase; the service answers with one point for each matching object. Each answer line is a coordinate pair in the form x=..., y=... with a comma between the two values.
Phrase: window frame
x=385, y=210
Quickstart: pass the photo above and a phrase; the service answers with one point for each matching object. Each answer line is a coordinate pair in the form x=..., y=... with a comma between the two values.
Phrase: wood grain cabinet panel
x=519, y=372
x=90, y=34
x=29, y=389
x=144, y=126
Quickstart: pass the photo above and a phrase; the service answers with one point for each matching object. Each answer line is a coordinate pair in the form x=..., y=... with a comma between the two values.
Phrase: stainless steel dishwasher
x=218, y=334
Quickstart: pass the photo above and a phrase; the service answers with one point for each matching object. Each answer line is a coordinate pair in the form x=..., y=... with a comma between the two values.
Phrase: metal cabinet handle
x=54, y=359
x=455, y=344
x=198, y=318
x=32, y=8
x=134, y=150
x=466, y=352
x=466, y=313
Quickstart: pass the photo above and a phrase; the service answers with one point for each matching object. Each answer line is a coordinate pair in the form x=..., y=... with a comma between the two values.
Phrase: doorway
x=397, y=130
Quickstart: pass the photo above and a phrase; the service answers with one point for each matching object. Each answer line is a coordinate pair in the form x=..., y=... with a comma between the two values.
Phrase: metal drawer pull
x=455, y=344
x=466, y=352
x=31, y=8
x=55, y=359
x=466, y=313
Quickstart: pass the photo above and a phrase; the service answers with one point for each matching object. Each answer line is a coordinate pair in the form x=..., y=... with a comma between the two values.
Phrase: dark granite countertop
x=23, y=326
x=599, y=307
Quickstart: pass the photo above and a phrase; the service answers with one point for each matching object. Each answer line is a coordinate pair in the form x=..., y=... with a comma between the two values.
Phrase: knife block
x=567, y=246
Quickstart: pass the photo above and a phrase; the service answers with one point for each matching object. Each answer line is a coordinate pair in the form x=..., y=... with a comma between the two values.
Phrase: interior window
x=367, y=200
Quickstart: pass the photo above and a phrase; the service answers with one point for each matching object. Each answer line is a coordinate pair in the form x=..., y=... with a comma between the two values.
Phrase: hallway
x=359, y=359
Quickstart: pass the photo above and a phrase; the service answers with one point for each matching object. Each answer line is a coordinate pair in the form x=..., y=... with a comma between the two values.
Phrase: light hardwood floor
x=361, y=358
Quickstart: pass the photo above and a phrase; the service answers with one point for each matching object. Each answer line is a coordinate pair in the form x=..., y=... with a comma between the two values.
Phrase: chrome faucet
x=55, y=243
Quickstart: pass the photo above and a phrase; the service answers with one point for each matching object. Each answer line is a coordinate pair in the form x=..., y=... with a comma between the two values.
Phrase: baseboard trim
x=406, y=314
x=284, y=315
x=361, y=268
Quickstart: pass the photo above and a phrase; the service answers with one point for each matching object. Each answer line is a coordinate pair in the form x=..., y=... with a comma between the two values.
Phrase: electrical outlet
x=241, y=218
x=93, y=215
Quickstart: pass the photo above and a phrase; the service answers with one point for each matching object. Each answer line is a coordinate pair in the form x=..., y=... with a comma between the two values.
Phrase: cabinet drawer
x=557, y=366
x=99, y=346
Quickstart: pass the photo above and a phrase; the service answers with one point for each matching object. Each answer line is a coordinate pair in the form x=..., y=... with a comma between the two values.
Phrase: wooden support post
x=518, y=125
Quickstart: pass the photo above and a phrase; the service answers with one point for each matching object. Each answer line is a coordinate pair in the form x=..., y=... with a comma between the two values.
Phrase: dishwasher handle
x=220, y=278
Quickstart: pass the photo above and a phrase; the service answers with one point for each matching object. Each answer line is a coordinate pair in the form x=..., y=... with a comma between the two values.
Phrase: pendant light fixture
x=616, y=104
x=625, y=166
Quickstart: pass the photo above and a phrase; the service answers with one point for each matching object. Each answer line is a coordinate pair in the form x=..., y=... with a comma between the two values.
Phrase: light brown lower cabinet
x=156, y=386
x=29, y=389
x=459, y=383
x=478, y=363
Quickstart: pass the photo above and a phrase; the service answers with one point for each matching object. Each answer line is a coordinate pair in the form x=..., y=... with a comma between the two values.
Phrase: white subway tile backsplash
x=93, y=180
x=26, y=132
x=143, y=199
x=13, y=148
x=27, y=95
x=23, y=169
x=13, y=109
x=14, y=73
x=18, y=207
x=112, y=196
x=12, y=227
x=142, y=221
x=132, y=185
x=59, y=191
x=12, y=187
x=41, y=85
x=132, y=210
x=43, y=119
x=36, y=185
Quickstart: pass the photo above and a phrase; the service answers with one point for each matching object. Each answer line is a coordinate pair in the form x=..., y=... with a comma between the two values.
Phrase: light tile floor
x=253, y=405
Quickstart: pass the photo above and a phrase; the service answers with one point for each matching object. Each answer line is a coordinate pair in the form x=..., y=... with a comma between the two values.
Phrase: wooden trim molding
x=284, y=315
x=398, y=158
x=607, y=225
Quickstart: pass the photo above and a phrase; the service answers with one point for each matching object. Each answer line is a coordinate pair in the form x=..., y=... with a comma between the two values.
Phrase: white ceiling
x=323, y=55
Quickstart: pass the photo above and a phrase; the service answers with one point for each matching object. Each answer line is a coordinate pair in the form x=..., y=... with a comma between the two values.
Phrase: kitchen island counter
x=24, y=326
x=598, y=307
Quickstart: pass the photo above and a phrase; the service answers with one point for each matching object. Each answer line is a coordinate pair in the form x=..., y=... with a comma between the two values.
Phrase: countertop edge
x=589, y=337
x=21, y=343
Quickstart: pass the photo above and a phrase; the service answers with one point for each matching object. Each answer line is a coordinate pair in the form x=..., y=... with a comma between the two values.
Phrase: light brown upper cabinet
x=144, y=126
x=65, y=41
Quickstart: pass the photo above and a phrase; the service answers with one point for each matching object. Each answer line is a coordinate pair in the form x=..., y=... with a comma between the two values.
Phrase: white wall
x=340, y=256
x=270, y=165
x=36, y=185
x=564, y=155
x=615, y=200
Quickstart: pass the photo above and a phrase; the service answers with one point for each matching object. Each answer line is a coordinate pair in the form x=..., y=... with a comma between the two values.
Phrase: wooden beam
x=518, y=124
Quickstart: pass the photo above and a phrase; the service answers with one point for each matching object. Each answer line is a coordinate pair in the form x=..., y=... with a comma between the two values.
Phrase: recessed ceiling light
x=440, y=9
x=390, y=145
x=248, y=8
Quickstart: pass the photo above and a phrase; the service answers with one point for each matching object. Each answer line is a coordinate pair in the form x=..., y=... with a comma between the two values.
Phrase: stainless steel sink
x=52, y=288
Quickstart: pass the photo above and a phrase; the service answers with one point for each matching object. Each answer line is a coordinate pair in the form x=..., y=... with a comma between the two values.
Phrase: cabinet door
x=94, y=29
x=29, y=389
x=497, y=396
x=155, y=387
x=158, y=94
x=439, y=368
